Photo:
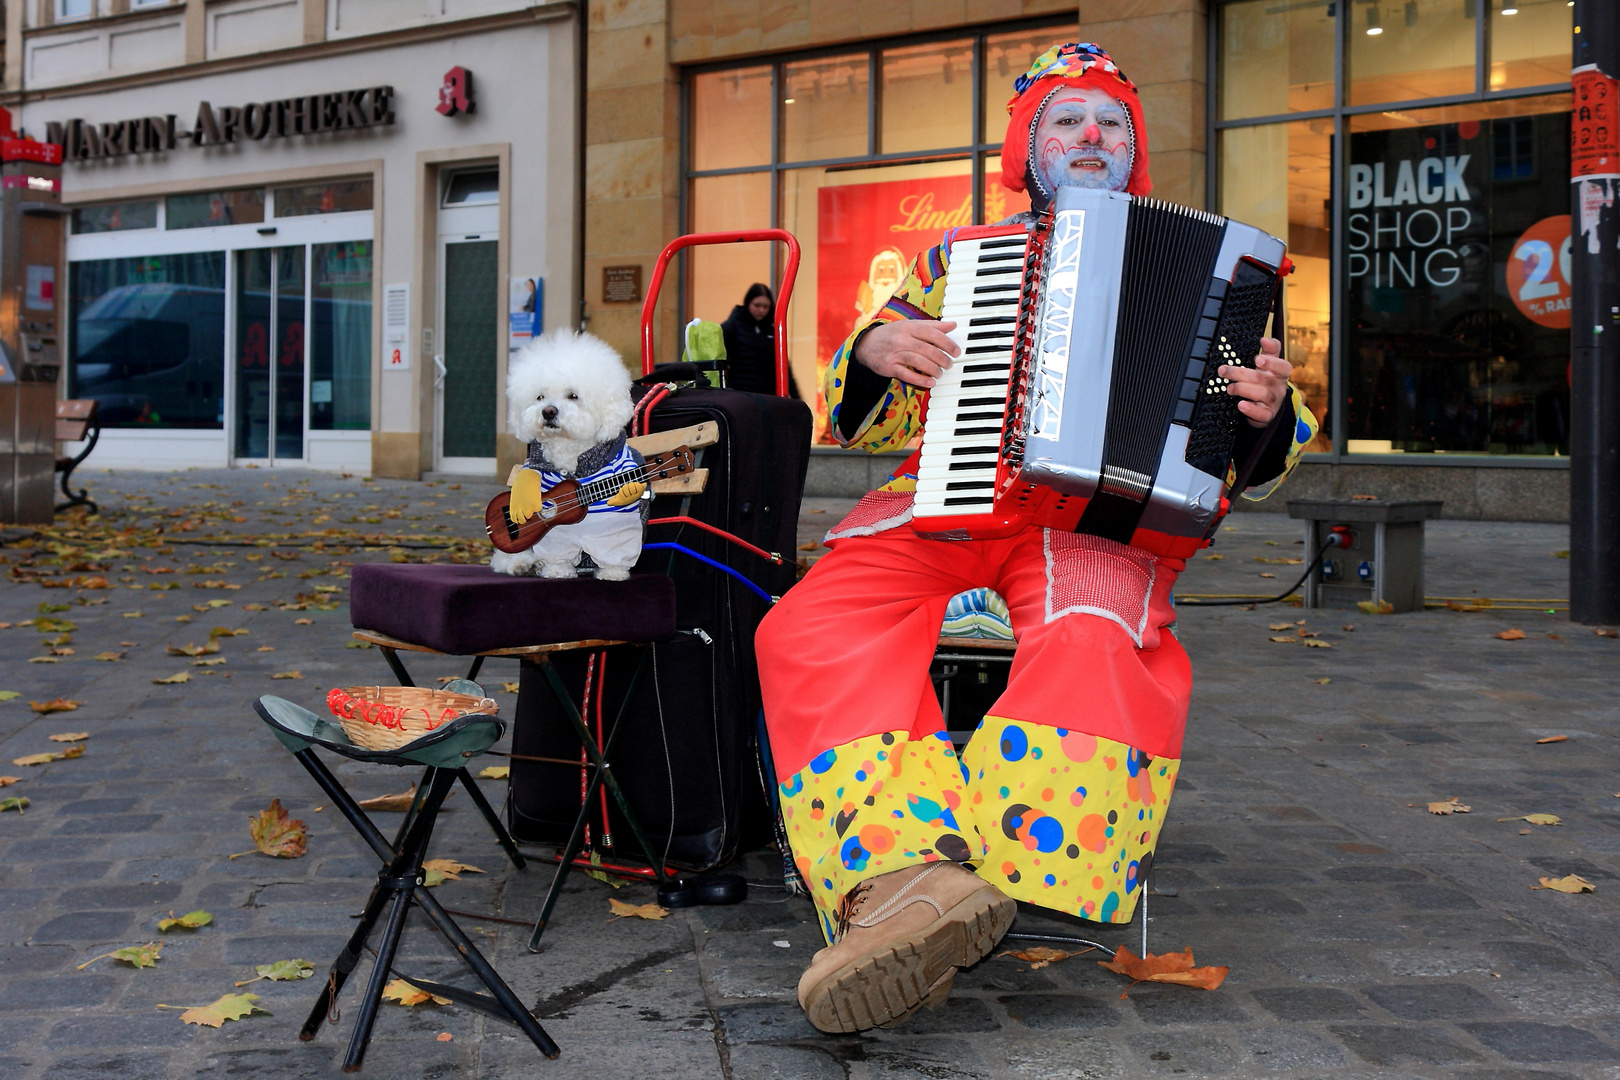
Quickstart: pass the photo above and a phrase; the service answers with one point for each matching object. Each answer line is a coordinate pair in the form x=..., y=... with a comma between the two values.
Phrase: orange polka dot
x=1008, y=869
x=1047, y=794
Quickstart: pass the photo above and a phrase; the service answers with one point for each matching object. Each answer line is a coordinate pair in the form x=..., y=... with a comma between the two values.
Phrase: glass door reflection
x=270, y=394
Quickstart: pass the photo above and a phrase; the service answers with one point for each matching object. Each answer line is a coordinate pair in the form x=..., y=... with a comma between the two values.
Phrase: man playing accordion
x=913, y=854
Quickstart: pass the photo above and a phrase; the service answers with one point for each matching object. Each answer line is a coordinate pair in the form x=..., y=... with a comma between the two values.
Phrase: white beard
x=1114, y=178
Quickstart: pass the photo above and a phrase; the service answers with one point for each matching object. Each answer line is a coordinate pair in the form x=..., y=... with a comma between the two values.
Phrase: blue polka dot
x=1141, y=814
x=1133, y=875
x=1047, y=832
x=853, y=855
x=822, y=762
x=1133, y=760
x=1302, y=431
x=860, y=774
x=1050, y=879
x=1014, y=743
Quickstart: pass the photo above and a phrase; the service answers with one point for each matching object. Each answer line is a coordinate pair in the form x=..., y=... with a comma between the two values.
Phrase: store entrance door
x=469, y=329
x=270, y=390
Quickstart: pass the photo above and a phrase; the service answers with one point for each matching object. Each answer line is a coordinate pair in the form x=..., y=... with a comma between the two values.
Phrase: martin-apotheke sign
x=346, y=110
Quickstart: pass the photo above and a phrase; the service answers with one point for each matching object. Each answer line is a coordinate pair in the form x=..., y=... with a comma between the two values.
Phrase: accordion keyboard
x=957, y=470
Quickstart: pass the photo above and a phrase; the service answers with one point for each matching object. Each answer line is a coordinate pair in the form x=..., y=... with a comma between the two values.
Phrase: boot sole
x=895, y=981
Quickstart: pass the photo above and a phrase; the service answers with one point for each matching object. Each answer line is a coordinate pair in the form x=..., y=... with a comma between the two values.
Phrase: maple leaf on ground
x=1316, y=643
x=110, y=656
x=191, y=920
x=1041, y=956
x=39, y=759
x=439, y=871
x=288, y=675
x=1449, y=806
x=210, y=646
x=1174, y=968
x=69, y=736
x=14, y=802
x=1536, y=819
x=1273, y=626
x=488, y=772
x=274, y=833
x=177, y=677
x=229, y=1007
x=54, y=705
x=403, y=992
x=9, y=695
x=1573, y=883
x=622, y=910
x=281, y=971
x=140, y=956
x=1514, y=634
x=1376, y=607
x=510, y=687
x=399, y=800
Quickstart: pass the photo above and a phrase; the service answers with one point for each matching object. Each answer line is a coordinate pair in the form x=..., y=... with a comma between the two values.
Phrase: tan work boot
x=902, y=935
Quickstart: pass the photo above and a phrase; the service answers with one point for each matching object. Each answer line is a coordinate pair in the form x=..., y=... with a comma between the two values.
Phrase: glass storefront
x=865, y=156
x=148, y=332
x=1426, y=208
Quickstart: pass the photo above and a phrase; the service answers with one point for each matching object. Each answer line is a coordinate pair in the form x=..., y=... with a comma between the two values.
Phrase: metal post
x=1594, y=495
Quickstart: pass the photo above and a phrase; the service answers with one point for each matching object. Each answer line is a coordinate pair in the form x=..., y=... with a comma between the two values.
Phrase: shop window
x=1405, y=51
x=721, y=275
x=1276, y=58
x=1457, y=279
x=206, y=208
x=999, y=203
x=115, y=217
x=334, y=197
x=148, y=339
x=1007, y=56
x=470, y=188
x=340, y=337
x=860, y=228
x=927, y=100
x=731, y=119
x=1530, y=42
x=824, y=108
x=1278, y=177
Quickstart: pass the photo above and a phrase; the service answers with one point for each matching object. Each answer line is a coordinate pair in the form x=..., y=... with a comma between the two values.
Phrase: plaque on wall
x=621, y=284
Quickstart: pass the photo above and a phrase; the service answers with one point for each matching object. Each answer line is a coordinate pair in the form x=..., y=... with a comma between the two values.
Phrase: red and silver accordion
x=1087, y=396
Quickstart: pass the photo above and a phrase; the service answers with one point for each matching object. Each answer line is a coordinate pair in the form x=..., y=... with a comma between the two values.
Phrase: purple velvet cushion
x=469, y=609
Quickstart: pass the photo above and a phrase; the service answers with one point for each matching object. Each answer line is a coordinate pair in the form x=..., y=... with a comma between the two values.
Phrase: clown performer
x=914, y=856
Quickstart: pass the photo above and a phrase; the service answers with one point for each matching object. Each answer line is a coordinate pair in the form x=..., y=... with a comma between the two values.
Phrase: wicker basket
x=388, y=717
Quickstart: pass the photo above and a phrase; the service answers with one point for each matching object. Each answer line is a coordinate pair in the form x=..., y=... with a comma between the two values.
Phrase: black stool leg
x=345, y=964
x=494, y=819
x=379, y=979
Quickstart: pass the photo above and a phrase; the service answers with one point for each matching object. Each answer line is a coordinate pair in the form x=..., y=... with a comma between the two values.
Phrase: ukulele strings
x=596, y=489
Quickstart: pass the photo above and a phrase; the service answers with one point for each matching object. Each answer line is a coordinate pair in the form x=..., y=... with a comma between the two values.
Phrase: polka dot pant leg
x=1070, y=820
x=880, y=803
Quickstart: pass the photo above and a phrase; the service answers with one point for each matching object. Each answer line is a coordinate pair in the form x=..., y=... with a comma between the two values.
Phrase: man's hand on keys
x=915, y=351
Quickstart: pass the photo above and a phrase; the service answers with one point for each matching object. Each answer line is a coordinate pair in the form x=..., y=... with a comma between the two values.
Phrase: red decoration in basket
x=411, y=713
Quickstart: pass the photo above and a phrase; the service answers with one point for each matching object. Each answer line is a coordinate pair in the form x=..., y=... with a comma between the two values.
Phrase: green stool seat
x=447, y=747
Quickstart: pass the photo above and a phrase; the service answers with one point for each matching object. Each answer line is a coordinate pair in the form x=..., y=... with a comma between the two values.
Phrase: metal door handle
x=438, y=364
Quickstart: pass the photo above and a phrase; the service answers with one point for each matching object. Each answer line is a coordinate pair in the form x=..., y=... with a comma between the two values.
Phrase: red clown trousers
x=1059, y=796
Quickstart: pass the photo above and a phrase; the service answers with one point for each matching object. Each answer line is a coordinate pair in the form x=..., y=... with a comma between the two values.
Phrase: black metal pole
x=1594, y=480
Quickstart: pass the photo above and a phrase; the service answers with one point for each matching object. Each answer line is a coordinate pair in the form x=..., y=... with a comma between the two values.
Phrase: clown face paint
x=1084, y=140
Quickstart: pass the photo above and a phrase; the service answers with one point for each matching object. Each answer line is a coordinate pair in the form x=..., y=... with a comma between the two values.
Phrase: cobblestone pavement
x=1366, y=937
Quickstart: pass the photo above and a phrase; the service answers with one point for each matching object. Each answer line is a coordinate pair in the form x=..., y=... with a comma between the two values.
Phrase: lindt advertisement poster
x=867, y=236
x=1457, y=271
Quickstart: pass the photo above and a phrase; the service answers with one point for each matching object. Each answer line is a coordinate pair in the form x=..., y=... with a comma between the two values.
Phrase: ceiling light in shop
x=1374, y=27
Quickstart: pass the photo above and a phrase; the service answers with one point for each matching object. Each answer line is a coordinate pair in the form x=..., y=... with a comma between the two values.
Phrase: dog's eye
x=572, y=396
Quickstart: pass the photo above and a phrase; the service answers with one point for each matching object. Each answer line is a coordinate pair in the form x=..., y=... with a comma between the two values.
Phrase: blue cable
x=761, y=593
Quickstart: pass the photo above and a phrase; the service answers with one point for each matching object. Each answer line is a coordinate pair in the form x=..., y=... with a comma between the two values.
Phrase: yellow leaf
x=303, y=622
x=488, y=772
x=403, y=992
x=1286, y=639
x=110, y=656
x=38, y=759
x=400, y=801
x=1040, y=956
x=1379, y=607
x=1514, y=634
x=1536, y=819
x=69, y=736
x=265, y=648
x=449, y=868
x=510, y=687
x=1316, y=643
x=7, y=781
x=1574, y=883
x=288, y=675
x=177, y=677
x=621, y=910
x=54, y=705
x=191, y=920
x=1268, y=574
x=15, y=802
x=139, y=956
x=229, y=1007
x=1450, y=806
x=1273, y=626
x=1323, y=682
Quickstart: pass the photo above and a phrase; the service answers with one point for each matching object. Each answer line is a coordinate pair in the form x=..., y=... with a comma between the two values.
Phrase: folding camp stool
x=598, y=754
x=400, y=882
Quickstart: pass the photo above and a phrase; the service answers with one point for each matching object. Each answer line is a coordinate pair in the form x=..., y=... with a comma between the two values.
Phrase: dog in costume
x=914, y=854
x=568, y=397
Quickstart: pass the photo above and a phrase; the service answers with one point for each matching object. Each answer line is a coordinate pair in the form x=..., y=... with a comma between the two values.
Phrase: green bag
x=704, y=343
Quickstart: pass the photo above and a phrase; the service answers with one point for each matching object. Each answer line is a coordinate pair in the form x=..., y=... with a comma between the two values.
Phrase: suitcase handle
x=680, y=243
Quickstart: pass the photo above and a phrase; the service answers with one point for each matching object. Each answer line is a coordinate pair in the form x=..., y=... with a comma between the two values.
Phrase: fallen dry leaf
x=9, y=695
x=140, y=956
x=281, y=971
x=442, y=870
x=191, y=920
x=1040, y=955
x=1316, y=643
x=265, y=648
x=14, y=802
x=510, y=687
x=7, y=781
x=177, y=677
x=303, y=622
x=1574, y=883
x=1553, y=738
x=1607, y=631
x=1174, y=968
x=1378, y=607
x=39, y=759
x=229, y=1007
x=288, y=675
x=1273, y=626
x=1323, y=681
x=1536, y=819
x=54, y=705
x=1514, y=634
x=275, y=834
x=69, y=736
x=1288, y=639
x=211, y=646
x=1449, y=806
x=1268, y=574
x=400, y=800
x=110, y=656
x=405, y=994
x=488, y=772
x=621, y=910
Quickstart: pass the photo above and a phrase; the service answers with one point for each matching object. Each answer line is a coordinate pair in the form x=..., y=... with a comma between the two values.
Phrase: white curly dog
x=568, y=397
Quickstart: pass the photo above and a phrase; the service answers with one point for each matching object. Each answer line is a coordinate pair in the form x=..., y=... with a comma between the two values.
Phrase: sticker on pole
x=1538, y=272
x=1594, y=132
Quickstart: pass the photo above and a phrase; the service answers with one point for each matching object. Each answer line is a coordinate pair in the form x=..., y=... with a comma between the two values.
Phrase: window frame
x=1341, y=114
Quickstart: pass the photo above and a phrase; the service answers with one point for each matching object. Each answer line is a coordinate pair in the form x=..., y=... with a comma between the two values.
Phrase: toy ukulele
x=568, y=502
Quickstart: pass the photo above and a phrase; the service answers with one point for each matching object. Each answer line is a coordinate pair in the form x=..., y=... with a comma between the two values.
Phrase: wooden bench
x=75, y=421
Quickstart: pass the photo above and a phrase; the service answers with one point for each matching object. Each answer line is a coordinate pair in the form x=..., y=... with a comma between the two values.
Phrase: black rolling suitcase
x=689, y=760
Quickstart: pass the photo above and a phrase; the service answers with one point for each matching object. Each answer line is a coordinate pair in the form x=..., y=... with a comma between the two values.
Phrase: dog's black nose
x=549, y=412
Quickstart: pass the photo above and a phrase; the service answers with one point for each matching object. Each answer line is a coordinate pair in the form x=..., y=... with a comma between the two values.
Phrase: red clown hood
x=1015, y=151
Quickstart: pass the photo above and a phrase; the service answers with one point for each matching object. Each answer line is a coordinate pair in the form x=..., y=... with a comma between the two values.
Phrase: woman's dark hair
x=758, y=288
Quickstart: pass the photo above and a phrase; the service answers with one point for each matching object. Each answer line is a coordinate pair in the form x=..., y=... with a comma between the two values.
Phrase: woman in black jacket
x=750, y=335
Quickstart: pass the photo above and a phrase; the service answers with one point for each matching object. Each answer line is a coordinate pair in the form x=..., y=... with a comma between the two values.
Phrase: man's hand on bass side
x=1262, y=388
x=915, y=351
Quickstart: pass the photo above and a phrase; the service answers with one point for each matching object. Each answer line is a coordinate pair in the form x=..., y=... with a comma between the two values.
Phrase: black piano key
x=966, y=465
x=970, y=485
x=1004, y=242
x=1007, y=287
